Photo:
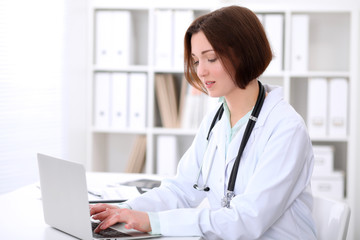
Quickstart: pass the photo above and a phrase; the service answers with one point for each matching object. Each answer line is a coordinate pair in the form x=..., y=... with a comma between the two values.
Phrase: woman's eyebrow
x=203, y=52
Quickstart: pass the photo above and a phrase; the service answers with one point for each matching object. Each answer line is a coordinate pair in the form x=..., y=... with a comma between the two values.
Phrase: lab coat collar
x=275, y=95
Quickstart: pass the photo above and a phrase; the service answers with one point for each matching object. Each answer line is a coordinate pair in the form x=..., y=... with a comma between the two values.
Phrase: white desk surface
x=21, y=215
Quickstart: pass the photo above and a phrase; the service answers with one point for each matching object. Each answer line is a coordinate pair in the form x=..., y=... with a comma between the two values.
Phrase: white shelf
x=333, y=53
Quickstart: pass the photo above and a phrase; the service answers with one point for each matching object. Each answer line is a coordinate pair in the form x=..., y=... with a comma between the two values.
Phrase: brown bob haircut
x=239, y=41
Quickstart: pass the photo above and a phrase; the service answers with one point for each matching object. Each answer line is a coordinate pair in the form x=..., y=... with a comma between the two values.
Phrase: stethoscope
x=225, y=202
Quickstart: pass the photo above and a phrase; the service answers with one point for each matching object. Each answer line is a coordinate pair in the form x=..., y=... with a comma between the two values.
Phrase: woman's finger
x=109, y=218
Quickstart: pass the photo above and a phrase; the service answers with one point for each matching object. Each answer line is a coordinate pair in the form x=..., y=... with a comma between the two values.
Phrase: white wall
x=75, y=62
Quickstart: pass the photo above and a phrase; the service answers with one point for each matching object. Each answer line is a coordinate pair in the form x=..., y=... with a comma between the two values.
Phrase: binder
x=167, y=155
x=317, y=107
x=299, y=42
x=119, y=100
x=114, y=36
x=182, y=20
x=137, y=100
x=163, y=38
x=122, y=38
x=338, y=107
x=102, y=99
x=274, y=27
x=103, y=39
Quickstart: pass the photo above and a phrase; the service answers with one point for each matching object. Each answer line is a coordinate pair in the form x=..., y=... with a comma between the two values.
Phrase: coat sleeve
x=178, y=192
x=283, y=172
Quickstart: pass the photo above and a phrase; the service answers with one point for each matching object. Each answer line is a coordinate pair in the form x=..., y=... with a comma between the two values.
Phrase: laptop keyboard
x=107, y=233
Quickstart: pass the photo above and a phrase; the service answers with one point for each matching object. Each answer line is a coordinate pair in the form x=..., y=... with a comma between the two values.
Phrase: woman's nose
x=201, y=70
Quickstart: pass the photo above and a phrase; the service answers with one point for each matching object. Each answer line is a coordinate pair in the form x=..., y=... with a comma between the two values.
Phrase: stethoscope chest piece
x=225, y=201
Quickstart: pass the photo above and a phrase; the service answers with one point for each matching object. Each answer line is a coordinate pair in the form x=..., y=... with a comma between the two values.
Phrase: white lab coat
x=273, y=196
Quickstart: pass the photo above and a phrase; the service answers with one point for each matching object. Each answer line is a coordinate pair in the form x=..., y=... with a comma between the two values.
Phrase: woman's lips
x=209, y=84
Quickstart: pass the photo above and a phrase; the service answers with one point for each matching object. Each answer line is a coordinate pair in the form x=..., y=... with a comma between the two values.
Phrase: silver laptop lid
x=64, y=196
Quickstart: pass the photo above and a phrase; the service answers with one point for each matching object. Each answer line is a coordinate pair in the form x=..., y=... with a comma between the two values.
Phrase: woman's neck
x=241, y=101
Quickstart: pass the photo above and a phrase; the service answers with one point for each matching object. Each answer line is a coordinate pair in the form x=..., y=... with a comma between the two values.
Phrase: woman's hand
x=110, y=215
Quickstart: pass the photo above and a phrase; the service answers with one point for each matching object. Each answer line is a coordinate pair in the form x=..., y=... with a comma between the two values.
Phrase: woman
x=270, y=197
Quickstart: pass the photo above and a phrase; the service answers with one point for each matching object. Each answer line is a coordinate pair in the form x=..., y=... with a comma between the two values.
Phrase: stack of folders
x=194, y=105
x=327, y=107
x=114, y=38
x=274, y=28
x=170, y=27
x=325, y=181
x=120, y=100
x=185, y=111
x=166, y=95
x=137, y=157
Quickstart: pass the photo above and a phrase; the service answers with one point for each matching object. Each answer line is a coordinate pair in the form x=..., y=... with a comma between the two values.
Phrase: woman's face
x=209, y=67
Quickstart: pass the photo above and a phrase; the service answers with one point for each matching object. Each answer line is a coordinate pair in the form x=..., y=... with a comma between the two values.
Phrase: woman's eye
x=196, y=63
x=212, y=59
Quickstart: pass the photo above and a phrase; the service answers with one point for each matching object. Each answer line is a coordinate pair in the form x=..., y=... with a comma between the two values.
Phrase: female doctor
x=252, y=157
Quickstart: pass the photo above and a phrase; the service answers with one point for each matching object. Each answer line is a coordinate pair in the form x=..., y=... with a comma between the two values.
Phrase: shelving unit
x=333, y=52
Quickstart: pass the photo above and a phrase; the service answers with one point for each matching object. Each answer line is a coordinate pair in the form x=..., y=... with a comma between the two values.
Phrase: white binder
x=299, y=42
x=137, y=100
x=167, y=155
x=119, y=100
x=317, y=118
x=102, y=99
x=274, y=27
x=163, y=38
x=114, y=36
x=103, y=39
x=122, y=38
x=338, y=107
x=182, y=20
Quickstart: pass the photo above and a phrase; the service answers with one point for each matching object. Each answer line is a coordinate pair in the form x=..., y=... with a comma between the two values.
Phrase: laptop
x=65, y=201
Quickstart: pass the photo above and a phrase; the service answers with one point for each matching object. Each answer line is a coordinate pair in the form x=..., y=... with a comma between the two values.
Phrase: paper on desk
x=118, y=192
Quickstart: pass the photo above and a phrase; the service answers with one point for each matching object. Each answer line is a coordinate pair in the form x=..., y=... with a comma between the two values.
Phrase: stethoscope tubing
x=249, y=127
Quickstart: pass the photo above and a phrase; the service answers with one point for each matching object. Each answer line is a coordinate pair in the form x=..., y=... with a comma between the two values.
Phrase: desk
x=21, y=215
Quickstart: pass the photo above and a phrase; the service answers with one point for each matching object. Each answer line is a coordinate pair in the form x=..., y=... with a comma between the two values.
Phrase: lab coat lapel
x=220, y=137
x=234, y=145
x=218, y=168
x=233, y=148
